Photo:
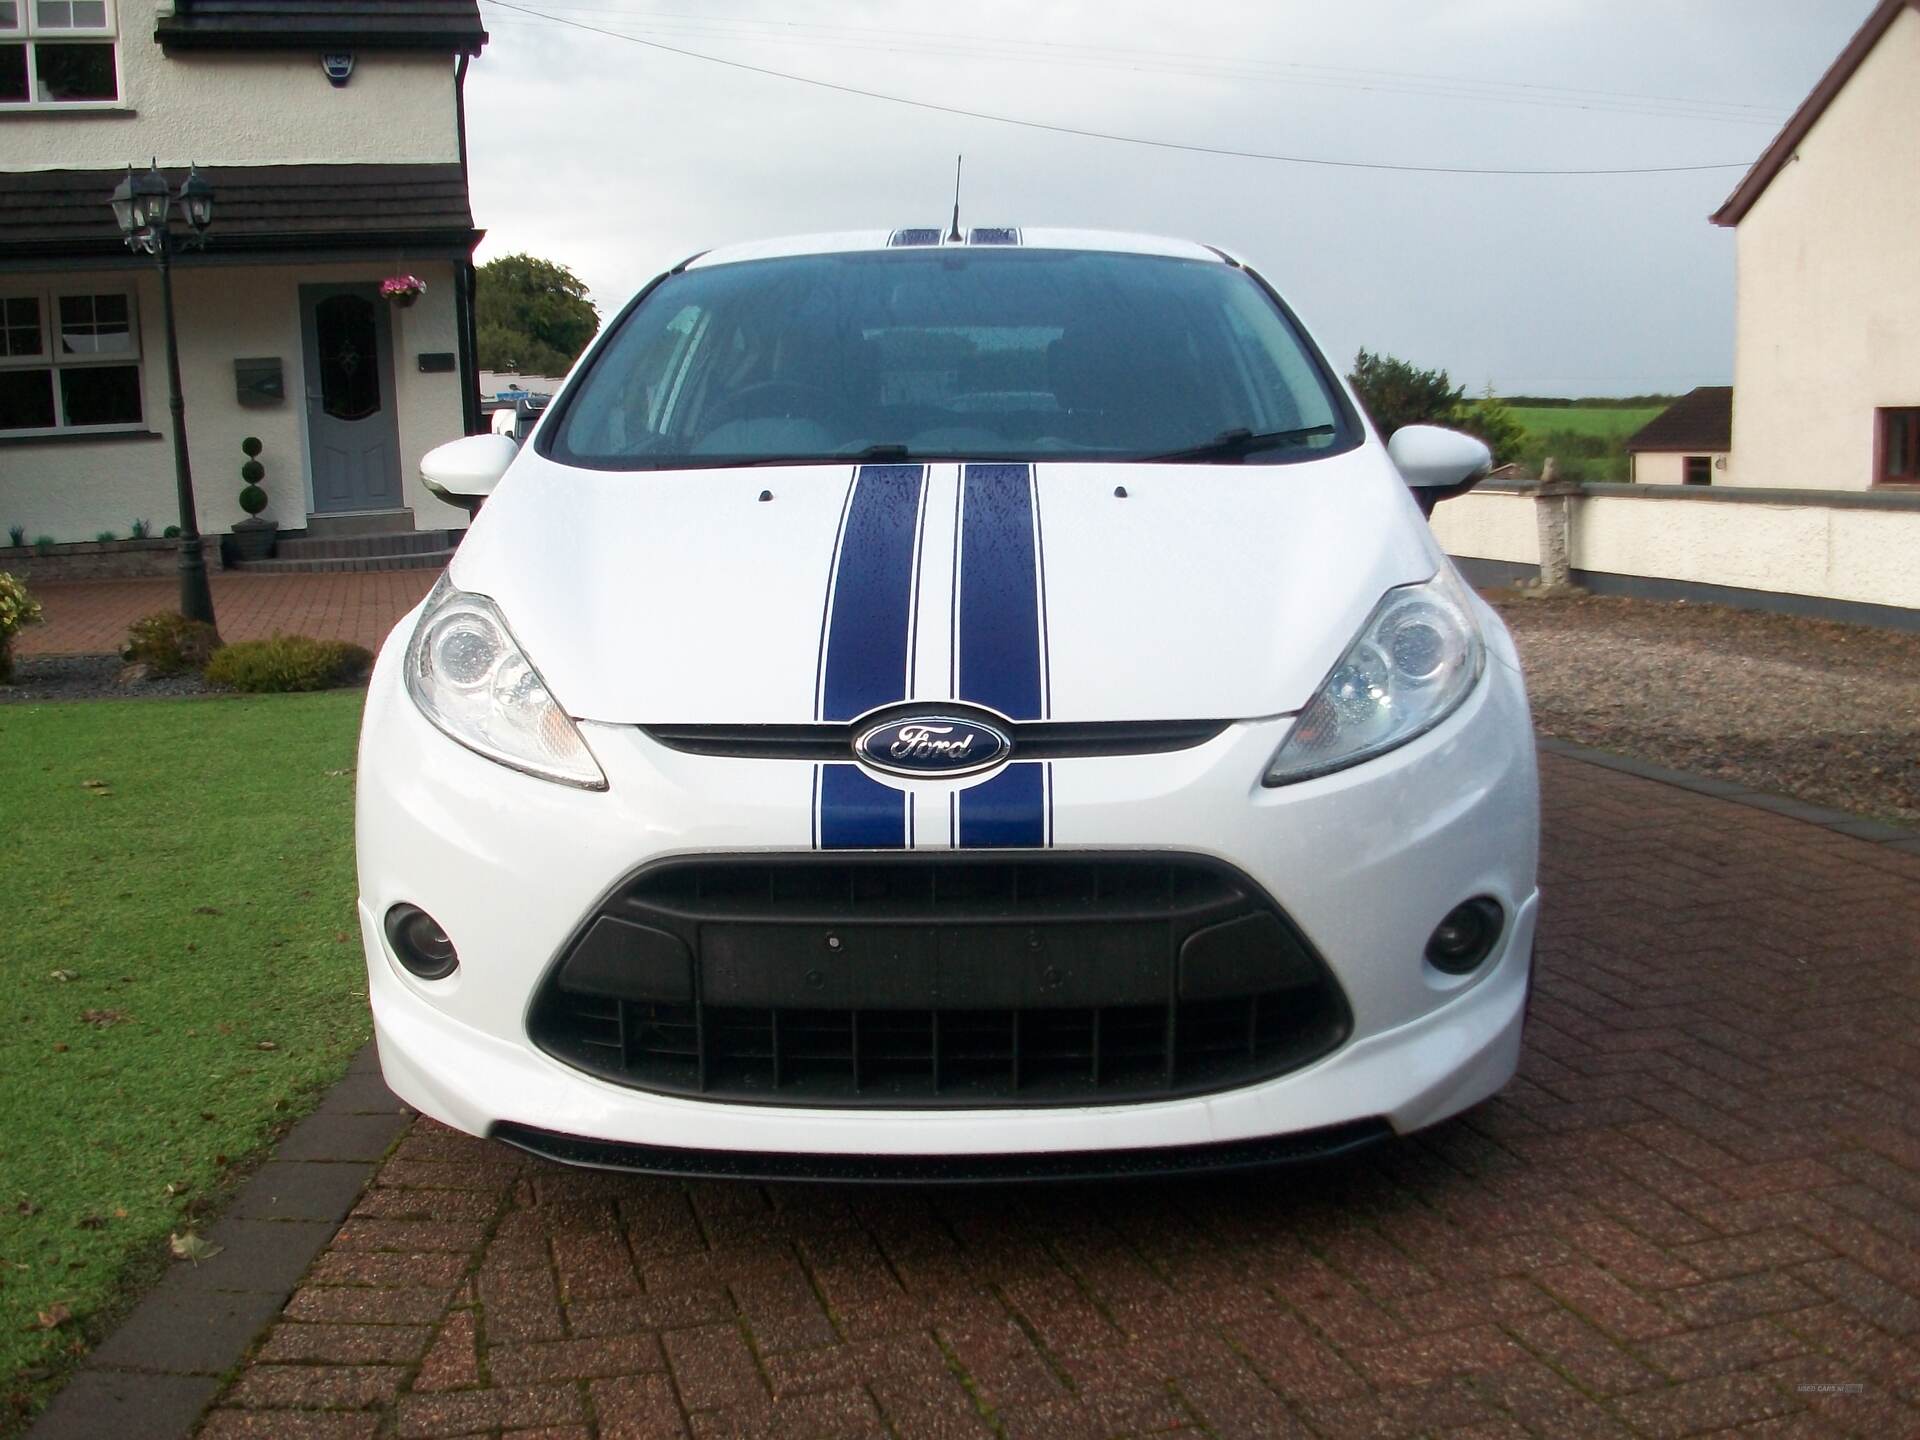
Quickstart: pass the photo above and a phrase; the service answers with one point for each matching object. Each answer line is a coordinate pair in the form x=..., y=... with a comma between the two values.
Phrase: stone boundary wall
x=102, y=560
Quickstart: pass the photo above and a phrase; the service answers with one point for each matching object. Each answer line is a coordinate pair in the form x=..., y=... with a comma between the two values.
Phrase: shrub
x=16, y=535
x=172, y=532
x=44, y=544
x=140, y=529
x=18, y=610
x=287, y=662
x=170, y=644
x=253, y=499
x=106, y=537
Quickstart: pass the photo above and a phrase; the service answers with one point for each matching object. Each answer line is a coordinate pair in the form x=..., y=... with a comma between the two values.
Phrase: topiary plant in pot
x=253, y=537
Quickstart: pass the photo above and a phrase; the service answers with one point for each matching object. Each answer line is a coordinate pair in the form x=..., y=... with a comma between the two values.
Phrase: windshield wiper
x=1238, y=442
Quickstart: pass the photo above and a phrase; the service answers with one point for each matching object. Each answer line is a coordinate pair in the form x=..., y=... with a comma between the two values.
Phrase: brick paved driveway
x=90, y=617
x=1697, y=1211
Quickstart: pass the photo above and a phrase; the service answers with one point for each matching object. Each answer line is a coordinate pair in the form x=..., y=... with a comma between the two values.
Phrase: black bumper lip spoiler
x=1044, y=1167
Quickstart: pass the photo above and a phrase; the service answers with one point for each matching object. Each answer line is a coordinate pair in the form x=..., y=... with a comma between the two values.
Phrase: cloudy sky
x=616, y=158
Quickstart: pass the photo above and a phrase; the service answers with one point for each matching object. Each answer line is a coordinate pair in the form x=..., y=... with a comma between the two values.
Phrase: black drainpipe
x=467, y=339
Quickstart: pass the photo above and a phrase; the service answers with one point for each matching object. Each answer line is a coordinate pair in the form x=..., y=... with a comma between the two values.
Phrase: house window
x=69, y=362
x=1699, y=470
x=1900, y=446
x=56, y=53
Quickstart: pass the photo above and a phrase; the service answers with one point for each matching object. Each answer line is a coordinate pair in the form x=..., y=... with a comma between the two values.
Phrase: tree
x=533, y=316
x=1397, y=393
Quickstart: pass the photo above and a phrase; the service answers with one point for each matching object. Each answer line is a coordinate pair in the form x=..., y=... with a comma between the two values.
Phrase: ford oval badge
x=933, y=747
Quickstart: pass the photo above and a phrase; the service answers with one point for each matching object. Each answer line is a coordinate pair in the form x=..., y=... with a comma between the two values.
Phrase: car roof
x=977, y=237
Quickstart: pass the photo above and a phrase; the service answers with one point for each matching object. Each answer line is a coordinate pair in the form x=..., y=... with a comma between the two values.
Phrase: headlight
x=469, y=677
x=1417, y=657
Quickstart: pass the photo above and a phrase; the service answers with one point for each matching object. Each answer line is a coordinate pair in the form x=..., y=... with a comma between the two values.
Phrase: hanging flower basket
x=403, y=290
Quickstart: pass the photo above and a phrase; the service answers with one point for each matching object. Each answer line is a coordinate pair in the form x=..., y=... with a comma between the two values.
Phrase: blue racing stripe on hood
x=868, y=632
x=857, y=812
x=1008, y=810
x=866, y=648
x=997, y=638
x=1000, y=646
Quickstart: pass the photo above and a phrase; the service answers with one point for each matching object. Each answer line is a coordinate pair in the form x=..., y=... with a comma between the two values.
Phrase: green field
x=1588, y=441
x=1582, y=420
x=182, y=969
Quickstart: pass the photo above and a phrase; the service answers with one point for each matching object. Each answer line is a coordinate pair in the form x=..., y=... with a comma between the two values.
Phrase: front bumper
x=1364, y=862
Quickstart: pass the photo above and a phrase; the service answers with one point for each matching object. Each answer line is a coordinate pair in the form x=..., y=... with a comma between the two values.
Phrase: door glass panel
x=348, y=340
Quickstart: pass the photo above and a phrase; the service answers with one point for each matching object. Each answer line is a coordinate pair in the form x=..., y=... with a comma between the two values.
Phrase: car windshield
x=952, y=354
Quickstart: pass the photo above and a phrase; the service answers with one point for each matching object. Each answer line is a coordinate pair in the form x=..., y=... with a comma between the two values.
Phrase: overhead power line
x=1248, y=69
x=1090, y=134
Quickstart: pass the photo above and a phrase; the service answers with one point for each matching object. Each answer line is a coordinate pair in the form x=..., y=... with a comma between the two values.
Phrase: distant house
x=1687, y=443
x=1818, y=508
x=1827, y=230
x=333, y=133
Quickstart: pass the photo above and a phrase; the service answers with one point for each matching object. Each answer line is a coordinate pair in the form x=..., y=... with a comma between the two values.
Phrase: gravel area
x=37, y=679
x=1825, y=713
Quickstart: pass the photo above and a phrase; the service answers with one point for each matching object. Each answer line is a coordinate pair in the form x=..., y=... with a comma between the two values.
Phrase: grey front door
x=353, y=439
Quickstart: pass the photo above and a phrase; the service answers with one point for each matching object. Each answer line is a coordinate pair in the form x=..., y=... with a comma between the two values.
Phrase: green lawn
x=181, y=963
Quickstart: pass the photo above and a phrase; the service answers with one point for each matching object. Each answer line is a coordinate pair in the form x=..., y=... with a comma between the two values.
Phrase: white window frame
x=51, y=359
x=28, y=31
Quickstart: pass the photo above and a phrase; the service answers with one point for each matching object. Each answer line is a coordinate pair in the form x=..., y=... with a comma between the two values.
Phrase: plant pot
x=406, y=302
x=254, y=539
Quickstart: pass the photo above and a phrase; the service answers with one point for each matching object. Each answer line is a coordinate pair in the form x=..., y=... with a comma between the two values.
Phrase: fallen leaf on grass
x=60, y=1047
x=191, y=1247
x=96, y=787
x=63, y=975
x=104, y=1019
x=92, y=1222
x=266, y=1045
x=52, y=1318
x=26, y=1207
x=336, y=774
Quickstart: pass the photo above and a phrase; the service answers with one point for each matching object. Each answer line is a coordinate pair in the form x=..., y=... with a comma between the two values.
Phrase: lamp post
x=141, y=207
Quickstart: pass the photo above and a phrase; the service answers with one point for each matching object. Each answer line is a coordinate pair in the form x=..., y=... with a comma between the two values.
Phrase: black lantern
x=196, y=200
x=151, y=201
x=123, y=205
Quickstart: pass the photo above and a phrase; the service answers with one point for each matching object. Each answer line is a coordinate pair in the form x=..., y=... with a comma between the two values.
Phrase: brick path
x=90, y=617
x=1698, y=1210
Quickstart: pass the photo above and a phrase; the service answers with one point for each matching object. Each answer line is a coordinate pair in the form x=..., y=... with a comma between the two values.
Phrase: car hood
x=1070, y=592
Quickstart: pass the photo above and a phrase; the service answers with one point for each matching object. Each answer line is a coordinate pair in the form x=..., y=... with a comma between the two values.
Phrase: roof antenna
x=954, y=236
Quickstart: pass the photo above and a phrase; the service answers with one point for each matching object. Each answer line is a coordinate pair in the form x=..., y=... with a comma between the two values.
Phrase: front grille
x=1030, y=739
x=962, y=980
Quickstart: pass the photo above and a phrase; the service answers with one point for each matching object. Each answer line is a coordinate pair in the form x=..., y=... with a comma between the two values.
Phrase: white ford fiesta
x=939, y=707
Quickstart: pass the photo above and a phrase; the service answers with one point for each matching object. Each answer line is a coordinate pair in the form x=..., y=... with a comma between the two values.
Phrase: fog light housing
x=1466, y=936
x=420, y=944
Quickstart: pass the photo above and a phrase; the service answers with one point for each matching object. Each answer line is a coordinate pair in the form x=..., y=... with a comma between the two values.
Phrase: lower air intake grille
x=918, y=982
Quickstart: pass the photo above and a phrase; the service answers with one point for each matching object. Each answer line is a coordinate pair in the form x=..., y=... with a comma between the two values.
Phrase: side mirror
x=464, y=472
x=1438, y=463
